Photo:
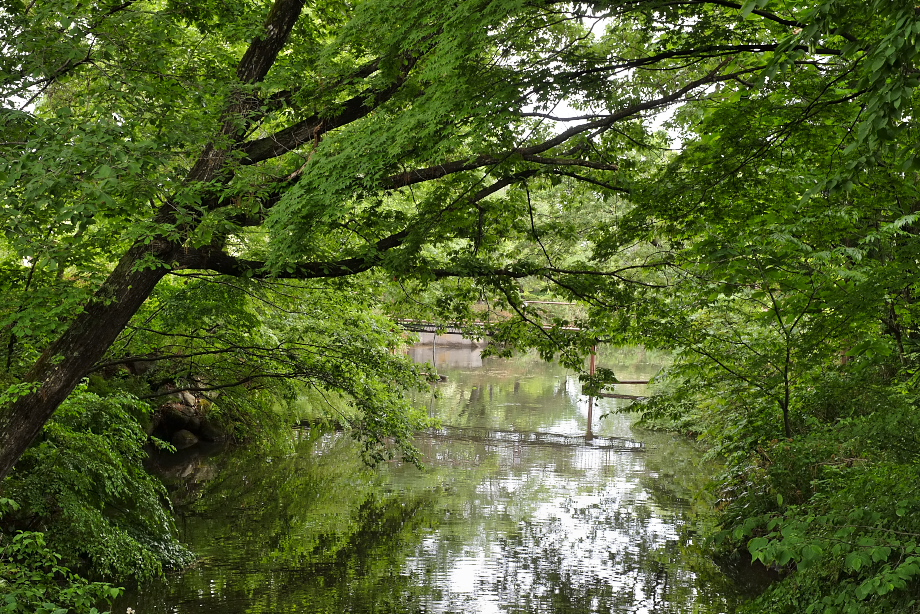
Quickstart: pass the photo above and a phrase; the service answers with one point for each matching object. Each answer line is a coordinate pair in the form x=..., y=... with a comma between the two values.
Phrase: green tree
x=381, y=145
x=273, y=141
x=789, y=222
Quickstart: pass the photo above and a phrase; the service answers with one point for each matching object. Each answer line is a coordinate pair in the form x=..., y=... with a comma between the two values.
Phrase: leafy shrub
x=834, y=508
x=32, y=579
x=84, y=485
x=855, y=545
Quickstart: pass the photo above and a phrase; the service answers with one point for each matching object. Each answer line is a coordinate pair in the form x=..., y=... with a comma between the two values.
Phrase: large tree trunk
x=61, y=367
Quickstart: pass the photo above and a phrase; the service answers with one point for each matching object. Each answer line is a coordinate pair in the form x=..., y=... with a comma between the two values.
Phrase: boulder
x=209, y=432
x=183, y=439
x=176, y=416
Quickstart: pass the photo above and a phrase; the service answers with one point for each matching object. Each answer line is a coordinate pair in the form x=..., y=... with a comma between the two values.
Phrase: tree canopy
x=240, y=194
x=284, y=142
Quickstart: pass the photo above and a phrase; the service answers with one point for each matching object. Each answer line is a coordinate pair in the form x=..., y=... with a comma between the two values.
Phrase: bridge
x=421, y=326
x=471, y=329
x=481, y=329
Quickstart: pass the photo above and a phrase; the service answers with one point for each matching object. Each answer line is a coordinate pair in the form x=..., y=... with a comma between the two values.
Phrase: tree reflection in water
x=514, y=512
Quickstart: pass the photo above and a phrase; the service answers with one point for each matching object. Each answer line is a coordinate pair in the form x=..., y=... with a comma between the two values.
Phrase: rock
x=140, y=367
x=188, y=398
x=183, y=439
x=174, y=417
x=209, y=432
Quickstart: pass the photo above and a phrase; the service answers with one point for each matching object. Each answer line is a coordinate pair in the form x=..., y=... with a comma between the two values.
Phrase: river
x=516, y=510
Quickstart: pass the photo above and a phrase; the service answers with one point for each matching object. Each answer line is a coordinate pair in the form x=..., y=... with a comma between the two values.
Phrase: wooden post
x=592, y=369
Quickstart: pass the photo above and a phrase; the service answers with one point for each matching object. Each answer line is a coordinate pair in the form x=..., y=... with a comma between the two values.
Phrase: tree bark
x=61, y=367
x=86, y=340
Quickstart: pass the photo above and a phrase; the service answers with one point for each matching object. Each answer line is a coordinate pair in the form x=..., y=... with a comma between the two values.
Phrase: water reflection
x=516, y=511
x=446, y=351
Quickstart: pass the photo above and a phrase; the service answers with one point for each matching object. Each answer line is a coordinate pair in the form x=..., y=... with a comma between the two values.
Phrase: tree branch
x=313, y=128
x=216, y=260
x=531, y=153
x=601, y=184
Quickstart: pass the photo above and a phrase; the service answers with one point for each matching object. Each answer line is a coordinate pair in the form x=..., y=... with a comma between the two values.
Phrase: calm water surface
x=516, y=511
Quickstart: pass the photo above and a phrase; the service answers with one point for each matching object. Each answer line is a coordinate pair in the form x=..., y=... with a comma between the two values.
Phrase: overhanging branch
x=313, y=128
x=531, y=153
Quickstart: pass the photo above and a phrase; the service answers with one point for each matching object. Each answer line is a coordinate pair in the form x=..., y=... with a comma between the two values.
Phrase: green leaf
x=811, y=552
x=757, y=544
x=854, y=561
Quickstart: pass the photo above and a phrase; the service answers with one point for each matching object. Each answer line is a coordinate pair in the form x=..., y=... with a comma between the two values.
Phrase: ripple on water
x=517, y=511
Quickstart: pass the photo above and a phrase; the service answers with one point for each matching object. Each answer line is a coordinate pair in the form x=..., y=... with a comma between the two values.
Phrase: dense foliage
x=789, y=217
x=226, y=201
x=85, y=486
x=33, y=581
